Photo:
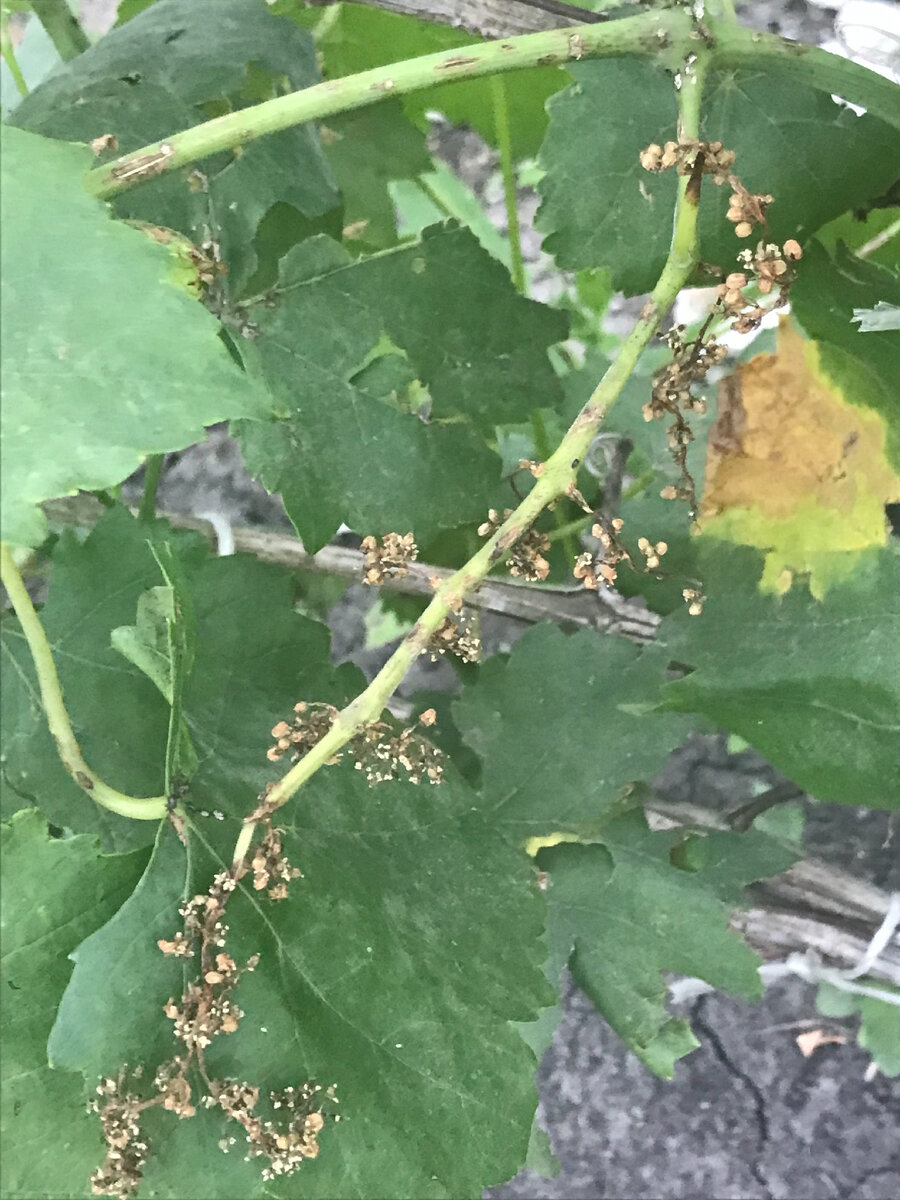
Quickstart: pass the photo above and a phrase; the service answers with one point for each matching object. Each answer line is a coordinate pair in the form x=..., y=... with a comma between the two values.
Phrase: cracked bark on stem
x=137, y=808
x=560, y=472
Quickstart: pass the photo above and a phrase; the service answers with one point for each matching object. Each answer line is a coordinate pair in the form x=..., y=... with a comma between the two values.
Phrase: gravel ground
x=746, y=1116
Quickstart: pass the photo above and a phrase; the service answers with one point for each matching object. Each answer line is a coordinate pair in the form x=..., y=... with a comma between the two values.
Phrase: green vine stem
x=508, y=170
x=557, y=479
x=672, y=31
x=139, y=809
x=62, y=27
x=147, y=510
x=7, y=50
x=644, y=35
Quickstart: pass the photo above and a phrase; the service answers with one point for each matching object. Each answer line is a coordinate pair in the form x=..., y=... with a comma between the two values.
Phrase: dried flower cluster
x=672, y=396
x=285, y=1147
x=763, y=268
x=308, y=727
x=717, y=161
x=385, y=755
x=377, y=749
x=270, y=865
x=389, y=560
x=526, y=559
x=205, y=1010
x=126, y=1149
x=694, y=598
x=457, y=634
x=746, y=209
x=601, y=570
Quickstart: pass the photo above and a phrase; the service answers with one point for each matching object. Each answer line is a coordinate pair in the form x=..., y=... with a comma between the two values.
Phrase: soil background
x=747, y=1116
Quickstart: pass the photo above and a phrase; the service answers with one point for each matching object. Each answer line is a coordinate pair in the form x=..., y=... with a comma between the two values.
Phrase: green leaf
x=367, y=150
x=338, y=455
x=563, y=728
x=600, y=205
x=379, y=975
x=828, y=290
x=879, y=1030
x=104, y=361
x=111, y=1011
x=55, y=892
x=861, y=228
x=161, y=72
x=814, y=685
x=621, y=914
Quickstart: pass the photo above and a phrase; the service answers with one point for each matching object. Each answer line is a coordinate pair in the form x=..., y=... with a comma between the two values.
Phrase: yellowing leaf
x=795, y=469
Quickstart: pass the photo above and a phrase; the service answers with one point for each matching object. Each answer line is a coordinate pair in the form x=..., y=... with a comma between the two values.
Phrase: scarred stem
x=644, y=35
x=152, y=808
x=560, y=471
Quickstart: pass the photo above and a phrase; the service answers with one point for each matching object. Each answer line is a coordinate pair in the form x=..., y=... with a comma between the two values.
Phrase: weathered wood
x=488, y=18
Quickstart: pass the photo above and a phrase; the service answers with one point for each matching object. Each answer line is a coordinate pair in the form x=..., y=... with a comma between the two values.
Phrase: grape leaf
x=823, y=299
x=104, y=361
x=55, y=892
x=563, y=727
x=336, y=455
x=876, y=230
x=379, y=974
x=813, y=685
x=162, y=72
x=621, y=914
x=795, y=468
x=119, y=969
x=599, y=204
x=367, y=150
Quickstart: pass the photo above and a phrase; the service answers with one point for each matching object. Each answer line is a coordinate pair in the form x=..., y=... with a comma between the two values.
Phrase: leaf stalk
x=151, y=808
x=62, y=27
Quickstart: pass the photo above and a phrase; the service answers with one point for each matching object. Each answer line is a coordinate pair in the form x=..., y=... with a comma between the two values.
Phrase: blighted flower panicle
x=526, y=558
x=377, y=749
x=389, y=560
x=270, y=865
x=683, y=155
